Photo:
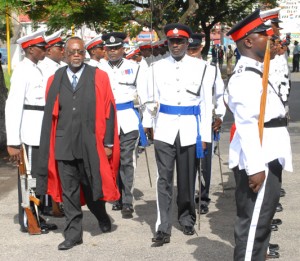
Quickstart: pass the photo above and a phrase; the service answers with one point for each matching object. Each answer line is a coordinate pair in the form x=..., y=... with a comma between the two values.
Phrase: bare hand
x=14, y=154
x=217, y=124
x=204, y=145
x=108, y=152
x=256, y=181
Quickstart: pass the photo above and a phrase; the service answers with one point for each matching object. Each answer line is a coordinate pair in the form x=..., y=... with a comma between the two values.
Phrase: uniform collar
x=118, y=65
x=251, y=62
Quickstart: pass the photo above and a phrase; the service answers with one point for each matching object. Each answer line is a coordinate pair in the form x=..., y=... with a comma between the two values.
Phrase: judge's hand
x=14, y=153
x=256, y=181
x=108, y=152
x=217, y=124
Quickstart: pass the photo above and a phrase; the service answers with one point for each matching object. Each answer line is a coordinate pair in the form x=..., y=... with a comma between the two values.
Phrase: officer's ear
x=248, y=42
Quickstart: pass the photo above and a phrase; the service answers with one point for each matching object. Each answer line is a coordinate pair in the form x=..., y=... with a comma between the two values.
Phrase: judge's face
x=75, y=54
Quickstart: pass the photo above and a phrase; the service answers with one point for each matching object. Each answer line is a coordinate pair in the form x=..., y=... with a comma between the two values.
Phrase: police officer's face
x=178, y=47
x=258, y=42
x=37, y=53
x=56, y=53
x=115, y=53
x=75, y=53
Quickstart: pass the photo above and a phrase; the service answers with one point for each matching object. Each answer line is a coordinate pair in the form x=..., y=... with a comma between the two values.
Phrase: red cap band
x=94, y=44
x=270, y=32
x=32, y=42
x=177, y=33
x=270, y=17
x=247, y=28
x=54, y=41
x=147, y=46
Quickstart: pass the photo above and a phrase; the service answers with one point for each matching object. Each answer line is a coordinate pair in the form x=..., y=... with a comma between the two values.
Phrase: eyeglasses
x=177, y=41
x=73, y=52
x=42, y=47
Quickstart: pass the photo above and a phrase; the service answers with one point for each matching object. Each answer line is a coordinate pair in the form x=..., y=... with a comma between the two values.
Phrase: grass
x=6, y=78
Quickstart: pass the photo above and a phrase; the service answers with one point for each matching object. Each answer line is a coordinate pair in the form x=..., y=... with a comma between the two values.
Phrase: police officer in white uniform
x=54, y=55
x=182, y=123
x=24, y=110
x=219, y=110
x=95, y=48
x=257, y=166
x=127, y=81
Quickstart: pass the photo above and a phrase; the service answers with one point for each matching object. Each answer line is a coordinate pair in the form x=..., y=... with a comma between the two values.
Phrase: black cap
x=177, y=31
x=195, y=40
x=253, y=23
x=114, y=38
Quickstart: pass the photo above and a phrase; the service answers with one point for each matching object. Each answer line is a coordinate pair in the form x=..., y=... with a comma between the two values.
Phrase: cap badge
x=191, y=40
x=112, y=39
x=175, y=31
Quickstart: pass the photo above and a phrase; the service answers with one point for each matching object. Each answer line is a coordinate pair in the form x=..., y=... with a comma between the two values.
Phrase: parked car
x=3, y=52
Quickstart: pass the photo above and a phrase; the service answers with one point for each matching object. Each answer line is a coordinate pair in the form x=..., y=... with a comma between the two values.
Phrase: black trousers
x=128, y=161
x=296, y=62
x=185, y=158
x=73, y=177
x=206, y=163
x=254, y=213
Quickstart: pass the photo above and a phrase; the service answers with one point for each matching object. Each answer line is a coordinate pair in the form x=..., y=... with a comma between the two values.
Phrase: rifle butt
x=33, y=227
x=35, y=200
x=56, y=211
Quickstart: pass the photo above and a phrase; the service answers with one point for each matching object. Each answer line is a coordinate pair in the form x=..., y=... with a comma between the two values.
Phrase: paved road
x=131, y=238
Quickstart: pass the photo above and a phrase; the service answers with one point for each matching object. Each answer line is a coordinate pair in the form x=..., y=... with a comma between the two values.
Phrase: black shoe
x=43, y=230
x=188, y=230
x=161, y=238
x=279, y=208
x=276, y=222
x=204, y=209
x=127, y=210
x=48, y=226
x=274, y=228
x=68, y=244
x=272, y=254
x=105, y=224
x=117, y=206
x=273, y=247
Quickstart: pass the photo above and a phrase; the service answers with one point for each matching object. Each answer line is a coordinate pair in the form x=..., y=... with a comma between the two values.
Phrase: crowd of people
x=82, y=122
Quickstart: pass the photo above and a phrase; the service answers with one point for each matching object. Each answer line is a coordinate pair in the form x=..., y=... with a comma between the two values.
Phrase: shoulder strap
x=199, y=89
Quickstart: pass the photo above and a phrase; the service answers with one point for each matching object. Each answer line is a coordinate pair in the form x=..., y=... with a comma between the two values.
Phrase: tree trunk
x=3, y=97
x=205, y=49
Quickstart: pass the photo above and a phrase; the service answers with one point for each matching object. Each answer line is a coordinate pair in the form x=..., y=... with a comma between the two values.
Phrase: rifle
x=28, y=195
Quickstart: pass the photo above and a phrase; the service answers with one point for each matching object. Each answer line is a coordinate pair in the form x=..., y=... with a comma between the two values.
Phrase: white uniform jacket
x=218, y=94
x=48, y=68
x=176, y=84
x=279, y=75
x=27, y=87
x=93, y=63
x=244, y=94
x=127, y=82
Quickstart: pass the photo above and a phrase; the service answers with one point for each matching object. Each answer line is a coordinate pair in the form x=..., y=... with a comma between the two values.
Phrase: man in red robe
x=79, y=150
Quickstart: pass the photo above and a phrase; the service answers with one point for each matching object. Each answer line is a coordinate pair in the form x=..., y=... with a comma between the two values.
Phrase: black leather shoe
x=273, y=247
x=105, y=224
x=127, y=210
x=279, y=208
x=48, y=226
x=68, y=244
x=276, y=222
x=204, y=209
x=43, y=231
x=188, y=230
x=272, y=254
x=274, y=228
x=161, y=237
x=117, y=206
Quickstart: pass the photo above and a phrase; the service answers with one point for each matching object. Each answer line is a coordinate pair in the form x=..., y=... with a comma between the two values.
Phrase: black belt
x=33, y=107
x=278, y=122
